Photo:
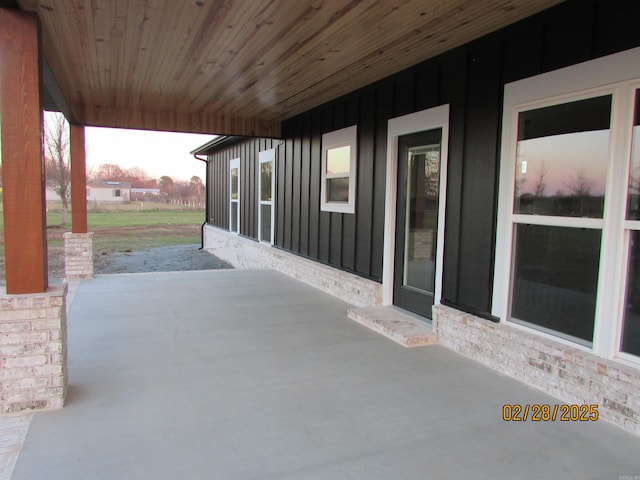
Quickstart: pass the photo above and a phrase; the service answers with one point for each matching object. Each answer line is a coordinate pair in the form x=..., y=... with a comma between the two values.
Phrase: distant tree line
x=169, y=189
x=58, y=172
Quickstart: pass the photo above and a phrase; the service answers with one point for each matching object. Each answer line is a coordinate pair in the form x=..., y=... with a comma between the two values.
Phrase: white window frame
x=235, y=163
x=628, y=227
x=267, y=156
x=336, y=139
x=617, y=75
x=430, y=119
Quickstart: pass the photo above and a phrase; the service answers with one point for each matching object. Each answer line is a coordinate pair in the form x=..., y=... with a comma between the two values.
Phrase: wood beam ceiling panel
x=328, y=54
x=449, y=26
x=215, y=65
x=230, y=59
x=176, y=121
x=254, y=54
x=215, y=59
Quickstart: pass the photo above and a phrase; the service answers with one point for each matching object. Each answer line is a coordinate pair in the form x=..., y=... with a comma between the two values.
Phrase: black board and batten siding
x=470, y=79
x=218, y=182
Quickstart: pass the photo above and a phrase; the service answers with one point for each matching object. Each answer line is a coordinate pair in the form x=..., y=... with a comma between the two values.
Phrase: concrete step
x=402, y=327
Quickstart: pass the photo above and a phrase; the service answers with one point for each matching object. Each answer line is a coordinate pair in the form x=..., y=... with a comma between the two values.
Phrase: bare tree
x=580, y=184
x=196, y=187
x=109, y=172
x=541, y=184
x=57, y=169
x=167, y=185
x=137, y=177
x=90, y=171
x=520, y=180
x=432, y=173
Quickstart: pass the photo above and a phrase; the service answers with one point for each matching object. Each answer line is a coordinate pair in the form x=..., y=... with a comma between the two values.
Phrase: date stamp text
x=516, y=412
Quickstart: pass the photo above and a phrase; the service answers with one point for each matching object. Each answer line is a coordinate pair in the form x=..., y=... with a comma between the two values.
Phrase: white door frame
x=432, y=118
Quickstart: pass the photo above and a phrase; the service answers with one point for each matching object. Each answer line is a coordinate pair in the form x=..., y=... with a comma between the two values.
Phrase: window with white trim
x=234, y=195
x=561, y=167
x=630, y=333
x=569, y=206
x=339, y=153
x=266, y=187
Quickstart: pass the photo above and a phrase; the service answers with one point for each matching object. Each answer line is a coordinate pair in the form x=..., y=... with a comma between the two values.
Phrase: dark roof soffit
x=215, y=144
x=52, y=98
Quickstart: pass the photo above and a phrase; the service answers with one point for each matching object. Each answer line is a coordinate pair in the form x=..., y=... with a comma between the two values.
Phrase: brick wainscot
x=568, y=373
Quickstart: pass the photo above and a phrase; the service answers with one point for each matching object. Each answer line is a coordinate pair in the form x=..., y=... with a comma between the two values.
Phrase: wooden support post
x=78, y=180
x=25, y=232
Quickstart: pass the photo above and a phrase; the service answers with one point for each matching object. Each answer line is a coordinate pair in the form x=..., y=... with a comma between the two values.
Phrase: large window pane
x=561, y=159
x=266, y=170
x=633, y=202
x=555, y=279
x=339, y=160
x=421, y=223
x=234, y=183
x=233, y=217
x=631, y=325
x=265, y=219
x=338, y=190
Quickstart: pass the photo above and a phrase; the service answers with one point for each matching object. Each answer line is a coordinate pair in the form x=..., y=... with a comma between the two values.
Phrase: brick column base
x=78, y=255
x=33, y=350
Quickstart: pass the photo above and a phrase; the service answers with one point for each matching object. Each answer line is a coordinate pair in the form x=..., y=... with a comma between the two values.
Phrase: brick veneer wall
x=244, y=253
x=567, y=373
x=33, y=351
x=78, y=255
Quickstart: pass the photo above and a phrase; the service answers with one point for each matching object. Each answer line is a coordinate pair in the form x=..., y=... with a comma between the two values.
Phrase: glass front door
x=417, y=221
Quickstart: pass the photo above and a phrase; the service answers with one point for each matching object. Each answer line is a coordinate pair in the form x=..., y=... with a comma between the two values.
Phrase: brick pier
x=33, y=351
x=78, y=256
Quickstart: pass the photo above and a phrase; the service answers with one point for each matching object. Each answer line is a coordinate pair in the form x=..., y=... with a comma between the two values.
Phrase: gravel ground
x=160, y=259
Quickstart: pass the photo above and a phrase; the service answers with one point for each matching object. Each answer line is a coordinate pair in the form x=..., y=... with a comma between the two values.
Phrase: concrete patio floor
x=235, y=374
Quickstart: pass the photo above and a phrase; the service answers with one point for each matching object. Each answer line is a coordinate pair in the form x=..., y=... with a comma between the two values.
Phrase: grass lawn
x=126, y=239
x=126, y=230
x=135, y=218
x=119, y=228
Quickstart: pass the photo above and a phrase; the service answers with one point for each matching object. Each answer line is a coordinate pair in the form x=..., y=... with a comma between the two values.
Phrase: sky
x=158, y=153
x=563, y=158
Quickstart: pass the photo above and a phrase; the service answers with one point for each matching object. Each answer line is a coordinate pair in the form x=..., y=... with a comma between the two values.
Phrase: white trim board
x=437, y=117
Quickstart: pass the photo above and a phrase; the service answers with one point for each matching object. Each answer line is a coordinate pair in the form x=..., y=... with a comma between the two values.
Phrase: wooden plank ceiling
x=240, y=67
